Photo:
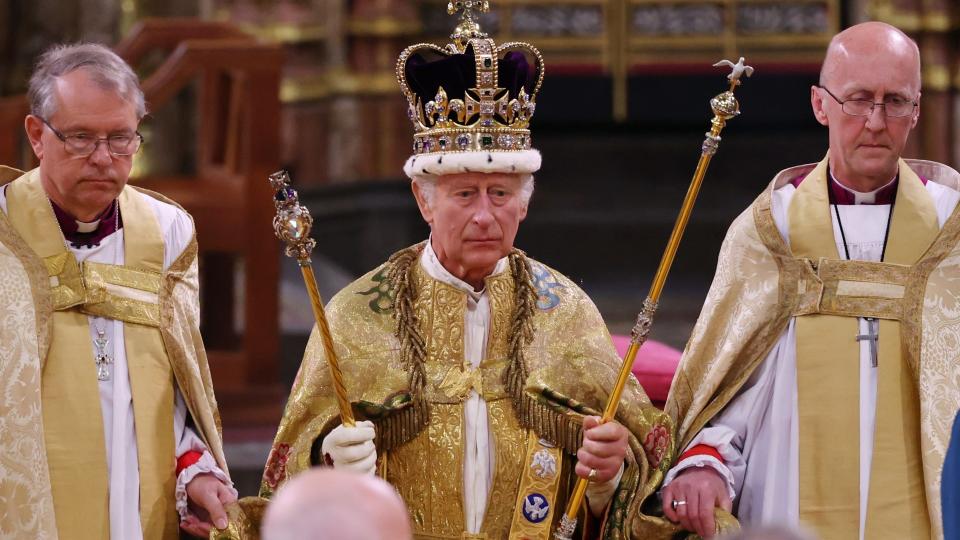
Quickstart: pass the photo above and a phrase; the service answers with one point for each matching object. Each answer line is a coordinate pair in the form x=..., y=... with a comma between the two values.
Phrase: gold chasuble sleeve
x=161, y=341
x=417, y=407
x=761, y=283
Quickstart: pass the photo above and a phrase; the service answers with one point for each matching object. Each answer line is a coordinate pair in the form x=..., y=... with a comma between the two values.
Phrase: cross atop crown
x=468, y=28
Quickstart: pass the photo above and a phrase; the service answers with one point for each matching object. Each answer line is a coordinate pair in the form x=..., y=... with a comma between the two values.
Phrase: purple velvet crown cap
x=480, y=123
x=427, y=70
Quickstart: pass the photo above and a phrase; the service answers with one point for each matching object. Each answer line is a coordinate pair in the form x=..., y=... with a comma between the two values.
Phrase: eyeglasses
x=83, y=144
x=893, y=107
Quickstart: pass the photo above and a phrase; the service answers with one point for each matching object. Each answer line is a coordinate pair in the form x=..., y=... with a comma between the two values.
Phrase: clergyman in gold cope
x=817, y=388
x=109, y=424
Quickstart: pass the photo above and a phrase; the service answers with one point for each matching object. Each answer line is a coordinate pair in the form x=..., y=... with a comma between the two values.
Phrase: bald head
x=870, y=43
x=336, y=505
x=869, y=99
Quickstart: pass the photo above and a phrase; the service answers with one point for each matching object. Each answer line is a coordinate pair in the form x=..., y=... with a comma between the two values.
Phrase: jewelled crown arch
x=457, y=101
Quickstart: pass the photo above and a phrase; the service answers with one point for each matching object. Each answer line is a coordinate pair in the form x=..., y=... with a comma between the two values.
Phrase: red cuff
x=701, y=450
x=187, y=459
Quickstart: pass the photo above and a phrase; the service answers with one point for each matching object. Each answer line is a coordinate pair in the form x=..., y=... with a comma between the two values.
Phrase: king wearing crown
x=476, y=373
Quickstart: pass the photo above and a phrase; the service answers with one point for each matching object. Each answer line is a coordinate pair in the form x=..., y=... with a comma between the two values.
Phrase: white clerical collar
x=437, y=271
x=860, y=197
x=83, y=227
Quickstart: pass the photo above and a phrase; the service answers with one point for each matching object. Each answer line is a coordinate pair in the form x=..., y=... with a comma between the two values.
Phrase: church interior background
x=240, y=88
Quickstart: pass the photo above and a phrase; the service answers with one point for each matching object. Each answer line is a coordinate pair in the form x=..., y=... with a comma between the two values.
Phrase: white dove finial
x=737, y=70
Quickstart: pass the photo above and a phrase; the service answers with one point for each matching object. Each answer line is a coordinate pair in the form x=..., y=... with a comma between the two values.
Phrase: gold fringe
x=402, y=426
x=549, y=421
x=549, y=424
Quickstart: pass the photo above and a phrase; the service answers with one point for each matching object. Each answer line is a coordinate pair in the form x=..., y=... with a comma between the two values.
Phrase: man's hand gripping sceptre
x=350, y=445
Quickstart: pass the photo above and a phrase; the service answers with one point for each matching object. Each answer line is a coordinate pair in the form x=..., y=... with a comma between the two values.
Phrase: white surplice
x=757, y=432
x=116, y=401
x=478, y=459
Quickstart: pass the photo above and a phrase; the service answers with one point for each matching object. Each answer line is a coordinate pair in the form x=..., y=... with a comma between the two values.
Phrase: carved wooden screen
x=233, y=81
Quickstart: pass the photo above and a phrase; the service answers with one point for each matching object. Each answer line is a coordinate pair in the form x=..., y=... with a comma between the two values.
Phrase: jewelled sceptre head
x=725, y=107
x=293, y=222
x=292, y=226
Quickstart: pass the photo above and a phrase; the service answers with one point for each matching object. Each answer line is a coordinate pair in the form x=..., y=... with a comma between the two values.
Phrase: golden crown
x=472, y=95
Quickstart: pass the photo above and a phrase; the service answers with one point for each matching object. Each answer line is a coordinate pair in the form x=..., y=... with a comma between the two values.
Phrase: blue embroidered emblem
x=535, y=507
x=544, y=283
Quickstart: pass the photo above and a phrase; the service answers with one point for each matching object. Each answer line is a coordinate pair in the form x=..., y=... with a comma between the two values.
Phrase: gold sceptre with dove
x=292, y=226
x=724, y=107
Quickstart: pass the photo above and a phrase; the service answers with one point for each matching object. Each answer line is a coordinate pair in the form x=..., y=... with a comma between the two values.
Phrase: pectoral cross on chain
x=873, y=336
x=102, y=359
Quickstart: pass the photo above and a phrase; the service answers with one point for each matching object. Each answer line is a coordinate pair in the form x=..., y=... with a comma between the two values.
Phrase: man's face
x=83, y=185
x=864, y=149
x=473, y=219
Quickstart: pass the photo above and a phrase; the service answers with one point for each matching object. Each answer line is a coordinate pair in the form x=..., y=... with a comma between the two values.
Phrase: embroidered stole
x=73, y=422
x=833, y=295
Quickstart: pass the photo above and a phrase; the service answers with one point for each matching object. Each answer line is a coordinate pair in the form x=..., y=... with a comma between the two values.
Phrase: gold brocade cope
x=72, y=419
x=829, y=406
x=436, y=506
x=428, y=473
x=24, y=304
x=760, y=285
x=571, y=364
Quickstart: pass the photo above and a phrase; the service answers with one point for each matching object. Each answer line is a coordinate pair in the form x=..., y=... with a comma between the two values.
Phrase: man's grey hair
x=107, y=70
x=428, y=186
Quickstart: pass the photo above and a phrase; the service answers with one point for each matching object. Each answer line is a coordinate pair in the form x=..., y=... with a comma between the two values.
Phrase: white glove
x=352, y=448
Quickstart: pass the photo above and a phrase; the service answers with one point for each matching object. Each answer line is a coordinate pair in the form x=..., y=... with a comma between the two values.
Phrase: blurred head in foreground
x=768, y=533
x=336, y=505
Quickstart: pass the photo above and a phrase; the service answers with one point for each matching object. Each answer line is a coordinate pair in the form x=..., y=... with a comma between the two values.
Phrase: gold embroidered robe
x=572, y=366
x=760, y=284
x=35, y=292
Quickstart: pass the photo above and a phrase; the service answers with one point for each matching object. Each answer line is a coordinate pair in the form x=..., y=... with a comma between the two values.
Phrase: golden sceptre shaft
x=724, y=107
x=292, y=225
